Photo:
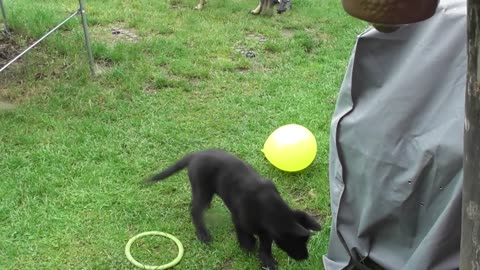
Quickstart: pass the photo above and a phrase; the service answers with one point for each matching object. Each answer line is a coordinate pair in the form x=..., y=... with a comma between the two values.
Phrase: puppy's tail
x=178, y=166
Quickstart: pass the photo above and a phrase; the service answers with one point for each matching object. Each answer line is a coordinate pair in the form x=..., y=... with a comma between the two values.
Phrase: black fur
x=255, y=204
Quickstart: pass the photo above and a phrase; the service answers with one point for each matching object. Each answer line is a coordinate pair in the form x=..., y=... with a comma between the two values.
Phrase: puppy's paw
x=269, y=267
x=198, y=7
x=204, y=237
x=268, y=263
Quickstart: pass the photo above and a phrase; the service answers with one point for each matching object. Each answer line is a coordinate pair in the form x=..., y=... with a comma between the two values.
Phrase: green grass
x=75, y=147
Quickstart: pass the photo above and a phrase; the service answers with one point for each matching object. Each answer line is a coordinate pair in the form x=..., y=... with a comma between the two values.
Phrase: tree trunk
x=470, y=246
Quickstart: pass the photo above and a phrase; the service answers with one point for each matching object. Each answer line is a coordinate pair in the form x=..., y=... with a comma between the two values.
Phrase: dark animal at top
x=257, y=209
x=264, y=6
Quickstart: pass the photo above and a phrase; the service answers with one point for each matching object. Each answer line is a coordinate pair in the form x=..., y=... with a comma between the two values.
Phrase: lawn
x=170, y=80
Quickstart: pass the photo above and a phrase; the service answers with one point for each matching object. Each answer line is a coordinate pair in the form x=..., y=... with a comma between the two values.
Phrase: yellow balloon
x=290, y=148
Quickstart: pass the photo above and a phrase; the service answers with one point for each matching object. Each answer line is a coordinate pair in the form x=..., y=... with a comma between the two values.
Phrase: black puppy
x=254, y=202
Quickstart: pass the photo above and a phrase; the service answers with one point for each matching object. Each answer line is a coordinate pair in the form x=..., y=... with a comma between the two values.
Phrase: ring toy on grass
x=152, y=267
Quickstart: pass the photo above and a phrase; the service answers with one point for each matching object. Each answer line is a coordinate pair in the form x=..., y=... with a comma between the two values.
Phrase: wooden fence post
x=470, y=244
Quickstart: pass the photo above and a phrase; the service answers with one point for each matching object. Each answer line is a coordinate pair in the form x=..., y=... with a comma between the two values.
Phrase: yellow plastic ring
x=154, y=267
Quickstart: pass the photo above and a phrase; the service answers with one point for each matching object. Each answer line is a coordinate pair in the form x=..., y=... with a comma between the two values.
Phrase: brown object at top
x=391, y=11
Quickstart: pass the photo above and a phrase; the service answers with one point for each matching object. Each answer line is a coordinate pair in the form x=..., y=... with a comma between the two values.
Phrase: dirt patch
x=250, y=45
x=123, y=33
x=6, y=106
x=4, y=97
x=8, y=49
x=175, y=4
x=102, y=67
x=227, y=265
x=245, y=51
x=114, y=33
x=150, y=88
x=318, y=35
x=288, y=33
x=257, y=38
x=11, y=97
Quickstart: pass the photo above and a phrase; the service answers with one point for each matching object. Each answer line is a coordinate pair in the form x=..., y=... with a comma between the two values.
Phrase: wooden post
x=470, y=244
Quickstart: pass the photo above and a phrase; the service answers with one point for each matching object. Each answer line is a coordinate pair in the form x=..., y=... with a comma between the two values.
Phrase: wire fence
x=80, y=11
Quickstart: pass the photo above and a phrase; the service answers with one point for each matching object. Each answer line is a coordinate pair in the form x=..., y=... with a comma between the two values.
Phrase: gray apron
x=396, y=147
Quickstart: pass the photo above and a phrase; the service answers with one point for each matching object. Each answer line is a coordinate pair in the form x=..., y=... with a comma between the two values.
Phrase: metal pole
x=470, y=244
x=4, y=15
x=38, y=41
x=87, y=37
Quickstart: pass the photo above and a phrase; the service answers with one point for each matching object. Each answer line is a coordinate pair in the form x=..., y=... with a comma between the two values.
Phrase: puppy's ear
x=307, y=221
